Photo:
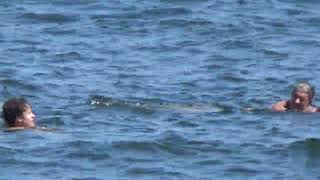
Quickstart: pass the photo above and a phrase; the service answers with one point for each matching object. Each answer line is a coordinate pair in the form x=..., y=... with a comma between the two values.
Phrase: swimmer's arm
x=280, y=106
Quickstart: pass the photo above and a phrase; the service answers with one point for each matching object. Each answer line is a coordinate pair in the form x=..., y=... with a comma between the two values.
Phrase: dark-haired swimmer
x=17, y=114
x=301, y=100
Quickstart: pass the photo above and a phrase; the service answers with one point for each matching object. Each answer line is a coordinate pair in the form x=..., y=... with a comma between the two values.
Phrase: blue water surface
x=160, y=89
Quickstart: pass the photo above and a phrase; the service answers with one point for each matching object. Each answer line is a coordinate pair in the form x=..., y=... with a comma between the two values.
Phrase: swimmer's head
x=301, y=96
x=17, y=112
x=304, y=87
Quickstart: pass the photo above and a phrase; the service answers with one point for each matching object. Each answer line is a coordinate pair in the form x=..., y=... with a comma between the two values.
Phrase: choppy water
x=157, y=89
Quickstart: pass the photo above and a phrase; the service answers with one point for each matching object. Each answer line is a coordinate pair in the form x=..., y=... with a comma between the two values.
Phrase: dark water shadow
x=305, y=157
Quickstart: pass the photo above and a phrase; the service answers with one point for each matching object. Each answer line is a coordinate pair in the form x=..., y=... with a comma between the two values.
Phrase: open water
x=160, y=89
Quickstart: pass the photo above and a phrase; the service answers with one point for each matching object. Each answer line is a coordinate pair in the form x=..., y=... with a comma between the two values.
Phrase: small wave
x=166, y=146
x=52, y=120
x=170, y=142
x=18, y=84
x=136, y=146
x=183, y=23
x=27, y=42
x=6, y=150
x=232, y=77
x=211, y=162
x=150, y=105
x=187, y=108
x=184, y=123
x=74, y=2
x=138, y=159
x=87, y=150
x=275, y=53
x=86, y=178
x=101, y=101
x=50, y=18
x=58, y=31
x=89, y=154
x=149, y=13
x=69, y=55
x=166, y=11
x=174, y=143
x=156, y=172
x=241, y=170
x=144, y=171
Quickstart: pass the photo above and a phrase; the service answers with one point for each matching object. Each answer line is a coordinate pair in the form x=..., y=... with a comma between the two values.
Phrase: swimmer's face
x=300, y=100
x=28, y=118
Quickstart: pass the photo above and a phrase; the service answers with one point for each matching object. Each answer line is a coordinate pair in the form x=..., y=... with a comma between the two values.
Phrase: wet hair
x=306, y=87
x=12, y=109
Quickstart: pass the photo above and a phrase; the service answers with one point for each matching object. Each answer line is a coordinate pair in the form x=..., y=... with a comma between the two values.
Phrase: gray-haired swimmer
x=301, y=100
x=18, y=115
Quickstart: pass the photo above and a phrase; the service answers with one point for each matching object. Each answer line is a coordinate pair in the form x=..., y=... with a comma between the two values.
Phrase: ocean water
x=160, y=89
